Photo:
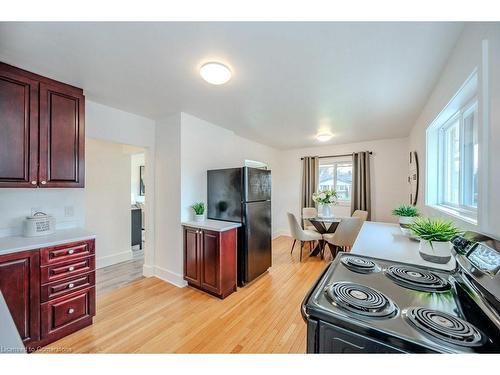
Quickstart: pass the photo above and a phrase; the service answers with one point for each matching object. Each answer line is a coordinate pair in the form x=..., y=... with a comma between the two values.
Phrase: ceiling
x=361, y=81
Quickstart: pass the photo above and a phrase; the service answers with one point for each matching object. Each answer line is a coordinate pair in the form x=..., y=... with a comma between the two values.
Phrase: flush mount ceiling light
x=215, y=73
x=324, y=136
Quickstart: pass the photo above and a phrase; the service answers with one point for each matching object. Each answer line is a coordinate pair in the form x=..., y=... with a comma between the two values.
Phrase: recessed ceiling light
x=323, y=137
x=215, y=73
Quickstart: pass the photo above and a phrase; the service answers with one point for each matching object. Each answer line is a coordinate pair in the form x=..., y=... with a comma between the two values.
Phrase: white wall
x=136, y=161
x=107, y=197
x=467, y=56
x=389, y=170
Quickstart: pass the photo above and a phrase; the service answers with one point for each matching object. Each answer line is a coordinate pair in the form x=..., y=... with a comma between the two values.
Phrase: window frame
x=463, y=210
x=335, y=162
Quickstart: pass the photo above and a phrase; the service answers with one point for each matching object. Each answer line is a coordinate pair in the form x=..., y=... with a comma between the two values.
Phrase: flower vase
x=325, y=210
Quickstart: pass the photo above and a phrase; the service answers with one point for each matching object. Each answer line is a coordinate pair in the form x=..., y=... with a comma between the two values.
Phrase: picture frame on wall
x=142, y=188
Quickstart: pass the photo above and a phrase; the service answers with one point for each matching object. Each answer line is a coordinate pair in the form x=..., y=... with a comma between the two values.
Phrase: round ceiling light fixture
x=324, y=136
x=215, y=73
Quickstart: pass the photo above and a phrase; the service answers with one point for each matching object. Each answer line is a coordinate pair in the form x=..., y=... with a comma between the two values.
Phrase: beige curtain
x=361, y=192
x=310, y=167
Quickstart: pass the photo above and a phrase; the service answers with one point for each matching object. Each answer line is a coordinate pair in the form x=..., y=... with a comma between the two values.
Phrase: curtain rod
x=337, y=156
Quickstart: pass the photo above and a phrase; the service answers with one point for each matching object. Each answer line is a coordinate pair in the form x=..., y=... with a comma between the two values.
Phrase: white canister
x=40, y=224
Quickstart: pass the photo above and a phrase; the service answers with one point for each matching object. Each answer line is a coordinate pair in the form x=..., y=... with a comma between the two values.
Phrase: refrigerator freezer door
x=257, y=247
x=224, y=193
x=257, y=186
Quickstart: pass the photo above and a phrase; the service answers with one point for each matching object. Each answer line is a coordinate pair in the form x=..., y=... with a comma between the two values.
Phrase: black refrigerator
x=243, y=195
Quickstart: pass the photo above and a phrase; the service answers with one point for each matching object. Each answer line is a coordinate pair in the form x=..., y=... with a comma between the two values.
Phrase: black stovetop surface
x=460, y=300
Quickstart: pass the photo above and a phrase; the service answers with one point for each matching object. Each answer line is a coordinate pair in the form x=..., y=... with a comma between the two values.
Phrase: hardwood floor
x=118, y=275
x=152, y=316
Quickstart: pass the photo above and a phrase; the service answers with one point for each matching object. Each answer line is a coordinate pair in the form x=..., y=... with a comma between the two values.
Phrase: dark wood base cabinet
x=50, y=292
x=210, y=260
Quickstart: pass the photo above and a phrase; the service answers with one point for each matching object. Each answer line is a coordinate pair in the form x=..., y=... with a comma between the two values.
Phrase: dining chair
x=302, y=235
x=363, y=215
x=307, y=213
x=345, y=235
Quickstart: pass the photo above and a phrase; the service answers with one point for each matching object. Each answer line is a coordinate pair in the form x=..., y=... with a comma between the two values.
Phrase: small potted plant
x=325, y=200
x=199, y=211
x=407, y=214
x=435, y=236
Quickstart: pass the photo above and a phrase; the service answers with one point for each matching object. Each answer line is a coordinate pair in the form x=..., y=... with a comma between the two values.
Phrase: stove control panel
x=485, y=258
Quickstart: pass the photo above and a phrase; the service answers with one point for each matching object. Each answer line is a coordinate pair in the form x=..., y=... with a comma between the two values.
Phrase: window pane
x=326, y=176
x=452, y=164
x=344, y=181
x=470, y=159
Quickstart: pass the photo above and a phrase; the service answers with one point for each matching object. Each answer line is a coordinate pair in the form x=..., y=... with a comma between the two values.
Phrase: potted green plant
x=325, y=200
x=199, y=211
x=407, y=214
x=435, y=235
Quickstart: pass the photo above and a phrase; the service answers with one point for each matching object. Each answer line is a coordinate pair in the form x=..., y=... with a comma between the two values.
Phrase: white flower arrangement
x=325, y=197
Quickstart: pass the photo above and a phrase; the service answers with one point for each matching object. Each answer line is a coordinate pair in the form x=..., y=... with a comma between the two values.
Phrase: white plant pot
x=437, y=252
x=199, y=217
x=406, y=220
x=325, y=210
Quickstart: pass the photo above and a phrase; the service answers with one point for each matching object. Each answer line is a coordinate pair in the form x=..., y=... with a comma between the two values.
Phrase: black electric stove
x=362, y=304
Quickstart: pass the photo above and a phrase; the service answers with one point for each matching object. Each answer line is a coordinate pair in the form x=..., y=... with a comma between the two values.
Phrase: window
x=458, y=162
x=336, y=175
x=452, y=155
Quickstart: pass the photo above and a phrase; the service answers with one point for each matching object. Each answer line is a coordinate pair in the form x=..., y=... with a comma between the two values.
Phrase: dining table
x=323, y=225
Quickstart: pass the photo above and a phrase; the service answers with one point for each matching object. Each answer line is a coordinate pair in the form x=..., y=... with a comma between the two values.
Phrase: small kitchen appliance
x=39, y=224
x=367, y=305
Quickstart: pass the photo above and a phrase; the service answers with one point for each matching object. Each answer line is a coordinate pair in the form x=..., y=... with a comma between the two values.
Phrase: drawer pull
x=71, y=268
x=71, y=310
x=44, y=182
x=71, y=251
x=33, y=182
x=70, y=286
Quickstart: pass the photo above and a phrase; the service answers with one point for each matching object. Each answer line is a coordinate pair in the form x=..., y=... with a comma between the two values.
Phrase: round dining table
x=323, y=225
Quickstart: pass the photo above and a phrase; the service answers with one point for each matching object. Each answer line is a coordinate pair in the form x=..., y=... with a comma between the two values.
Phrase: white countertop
x=215, y=225
x=14, y=244
x=386, y=241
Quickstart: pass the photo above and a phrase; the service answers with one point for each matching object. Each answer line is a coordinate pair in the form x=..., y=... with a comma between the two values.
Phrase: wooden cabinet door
x=18, y=129
x=210, y=261
x=20, y=286
x=62, y=136
x=192, y=262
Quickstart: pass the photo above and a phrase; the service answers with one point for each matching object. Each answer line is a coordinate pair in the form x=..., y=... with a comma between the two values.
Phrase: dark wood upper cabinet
x=62, y=137
x=18, y=129
x=20, y=286
x=42, y=123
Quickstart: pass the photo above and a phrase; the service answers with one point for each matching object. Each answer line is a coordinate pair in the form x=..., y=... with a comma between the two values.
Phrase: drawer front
x=61, y=313
x=65, y=270
x=60, y=288
x=63, y=253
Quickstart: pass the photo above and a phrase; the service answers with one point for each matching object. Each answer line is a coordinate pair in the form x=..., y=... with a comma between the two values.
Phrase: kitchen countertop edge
x=215, y=225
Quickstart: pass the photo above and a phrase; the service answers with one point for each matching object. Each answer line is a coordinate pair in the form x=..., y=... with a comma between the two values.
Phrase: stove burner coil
x=444, y=326
x=417, y=279
x=360, y=299
x=358, y=264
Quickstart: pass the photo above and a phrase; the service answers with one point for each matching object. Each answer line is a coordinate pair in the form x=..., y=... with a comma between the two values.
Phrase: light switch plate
x=69, y=211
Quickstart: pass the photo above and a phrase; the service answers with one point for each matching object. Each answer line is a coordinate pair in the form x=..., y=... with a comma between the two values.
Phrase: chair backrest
x=309, y=212
x=363, y=215
x=296, y=230
x=347, y=231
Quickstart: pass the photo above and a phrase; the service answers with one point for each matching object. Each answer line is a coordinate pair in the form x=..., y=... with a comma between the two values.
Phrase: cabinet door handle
x=71, y=268
x=70, y=286
x=71, y=310
x=33, y=182
x=44, y=182
x=71, y=251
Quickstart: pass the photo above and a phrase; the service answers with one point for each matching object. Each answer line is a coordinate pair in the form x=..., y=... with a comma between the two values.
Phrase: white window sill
x=344, y=203
x=454, y=213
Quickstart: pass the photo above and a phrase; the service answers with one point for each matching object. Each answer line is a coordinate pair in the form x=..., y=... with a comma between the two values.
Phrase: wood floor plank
x=152, y=316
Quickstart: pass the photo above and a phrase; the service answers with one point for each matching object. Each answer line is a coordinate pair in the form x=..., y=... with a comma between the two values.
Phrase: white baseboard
x=147, y=270
x=109, y=260
x=170, y=277
x=281, y=233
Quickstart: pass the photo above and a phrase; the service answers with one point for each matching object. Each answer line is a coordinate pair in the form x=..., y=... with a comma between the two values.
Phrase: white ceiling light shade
x=324, y=136
x=215, y=73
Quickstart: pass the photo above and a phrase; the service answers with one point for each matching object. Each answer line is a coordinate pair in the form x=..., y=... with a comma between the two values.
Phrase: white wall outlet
x=69, y=211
